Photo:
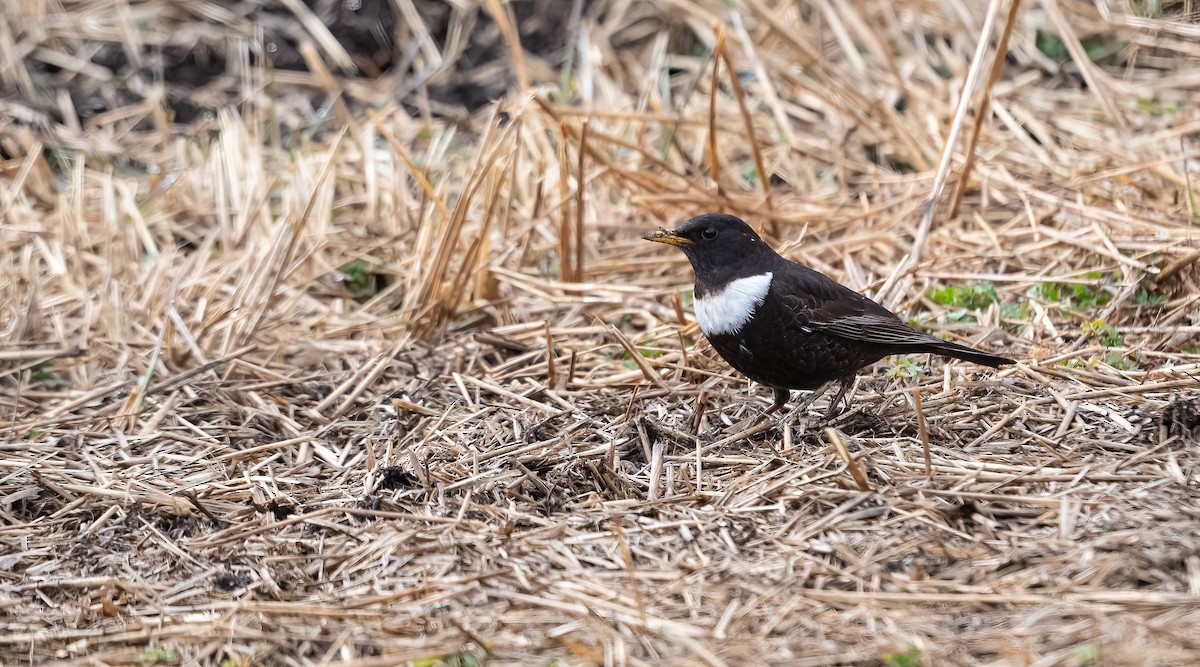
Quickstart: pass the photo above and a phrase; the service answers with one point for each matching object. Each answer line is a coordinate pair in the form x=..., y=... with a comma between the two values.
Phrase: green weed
x=909, y=657
x=363, y=280
x=968, y=297
x=1014, y=313
x=1076, y=295
x=466, y=658
x=1157, y=109
x=906, y=369
x=153, y=655
x=1086, y=654
x=1105, y=333
x=44, y=375
x=1144, y=297
x=750, y=175
x=1120, y=361
x=1099, y=47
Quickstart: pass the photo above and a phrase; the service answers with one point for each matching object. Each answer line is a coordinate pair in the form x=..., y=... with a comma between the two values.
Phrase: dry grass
x=386, y=387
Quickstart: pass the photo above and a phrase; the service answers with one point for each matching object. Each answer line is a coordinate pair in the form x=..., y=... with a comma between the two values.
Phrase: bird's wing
x=818, y=303
x=874, y=329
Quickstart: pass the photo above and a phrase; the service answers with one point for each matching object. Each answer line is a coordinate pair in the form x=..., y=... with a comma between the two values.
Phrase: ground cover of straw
x=393, y=389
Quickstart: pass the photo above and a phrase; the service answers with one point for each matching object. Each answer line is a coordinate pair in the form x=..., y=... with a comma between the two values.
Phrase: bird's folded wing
x=871, y=329
x=820, y=304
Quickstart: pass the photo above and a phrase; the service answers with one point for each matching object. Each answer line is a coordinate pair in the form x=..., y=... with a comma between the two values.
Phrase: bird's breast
x=727, y=310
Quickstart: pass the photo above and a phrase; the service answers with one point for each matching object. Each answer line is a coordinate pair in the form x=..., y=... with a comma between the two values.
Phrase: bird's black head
x=720, y=247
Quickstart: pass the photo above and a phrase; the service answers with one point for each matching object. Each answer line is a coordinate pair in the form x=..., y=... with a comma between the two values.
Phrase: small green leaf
x=970, y=297
x=750, y=174
x=1147, y=298
x=1086, y=297
x=1051, y=45
x=1085, y=654
x=1150, y=9
x=1105, y=333
x=906, y=369
x=1075, y=295
x=43, y=374
x=152, y=655
x=1014, y=312
x=1157, y=109
x=961, y=315
x=1120, y=361
x=917, y=320
x=1047, y=291
x=910, y=656
x=1102, y=46
x=363, y=280
x=466, y=658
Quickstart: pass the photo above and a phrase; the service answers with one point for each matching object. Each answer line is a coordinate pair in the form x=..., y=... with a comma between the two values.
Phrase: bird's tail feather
x=950, y=349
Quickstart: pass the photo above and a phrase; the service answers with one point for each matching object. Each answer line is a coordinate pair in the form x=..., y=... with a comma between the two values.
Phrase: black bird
x=785, y=325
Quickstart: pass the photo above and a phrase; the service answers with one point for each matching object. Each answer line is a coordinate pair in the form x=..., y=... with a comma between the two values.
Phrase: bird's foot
x=860, y=420
x=736, y=433
x=781, y=399
x=747, y=424
x=835, y=408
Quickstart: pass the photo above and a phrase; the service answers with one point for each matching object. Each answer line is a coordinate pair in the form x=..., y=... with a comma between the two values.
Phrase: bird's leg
x=781, y=399
x=810, y=399
x=845, y=383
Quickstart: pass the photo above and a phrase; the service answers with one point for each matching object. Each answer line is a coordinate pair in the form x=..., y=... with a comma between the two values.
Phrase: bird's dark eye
x=710, y=233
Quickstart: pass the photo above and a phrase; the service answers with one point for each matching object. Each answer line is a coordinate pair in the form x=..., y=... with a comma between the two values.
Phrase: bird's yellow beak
x=666, y=236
